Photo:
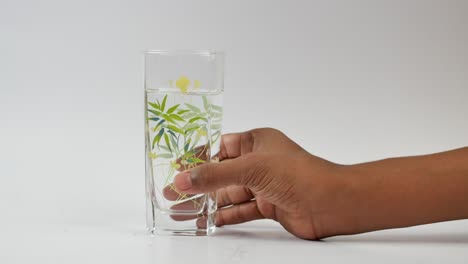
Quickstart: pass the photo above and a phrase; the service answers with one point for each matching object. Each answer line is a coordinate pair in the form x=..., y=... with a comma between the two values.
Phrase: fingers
x=231, y=146
x=189, y=206
x=225, y=196
x=170, y=193
x=238, y=214
x=235, y=144
x=233, y=195
x=248, y=170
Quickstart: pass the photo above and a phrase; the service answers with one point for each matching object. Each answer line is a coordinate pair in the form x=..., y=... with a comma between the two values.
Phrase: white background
x=351, y=81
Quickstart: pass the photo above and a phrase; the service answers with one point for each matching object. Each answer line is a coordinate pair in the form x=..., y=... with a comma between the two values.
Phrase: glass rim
x=183, y=52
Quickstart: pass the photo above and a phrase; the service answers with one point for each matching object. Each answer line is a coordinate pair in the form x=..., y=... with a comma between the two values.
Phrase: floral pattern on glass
x=177, y=130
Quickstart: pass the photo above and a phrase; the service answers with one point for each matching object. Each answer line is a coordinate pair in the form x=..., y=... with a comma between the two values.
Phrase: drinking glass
x=183, y=116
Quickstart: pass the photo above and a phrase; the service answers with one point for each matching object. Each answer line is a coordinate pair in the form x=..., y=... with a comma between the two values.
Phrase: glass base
x=161, y=231
x=164, y=223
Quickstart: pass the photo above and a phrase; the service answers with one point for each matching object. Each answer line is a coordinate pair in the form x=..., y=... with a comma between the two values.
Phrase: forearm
x=408, y=191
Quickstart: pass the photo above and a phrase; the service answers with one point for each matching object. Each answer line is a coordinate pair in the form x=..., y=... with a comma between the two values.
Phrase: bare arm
x=408, y=191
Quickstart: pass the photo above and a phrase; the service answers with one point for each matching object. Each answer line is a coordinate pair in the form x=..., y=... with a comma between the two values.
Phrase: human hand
x=264, y=174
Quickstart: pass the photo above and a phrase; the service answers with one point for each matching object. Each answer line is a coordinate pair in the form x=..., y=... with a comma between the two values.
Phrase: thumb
x=246, y=170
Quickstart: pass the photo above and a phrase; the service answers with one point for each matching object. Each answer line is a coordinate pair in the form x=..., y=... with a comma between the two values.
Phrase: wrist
x=337, y=198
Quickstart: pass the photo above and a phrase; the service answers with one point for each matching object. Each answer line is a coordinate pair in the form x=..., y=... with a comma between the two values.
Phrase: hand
x=264, y=174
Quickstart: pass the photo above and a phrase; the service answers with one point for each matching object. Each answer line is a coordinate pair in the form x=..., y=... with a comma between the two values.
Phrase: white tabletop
x=123, y=240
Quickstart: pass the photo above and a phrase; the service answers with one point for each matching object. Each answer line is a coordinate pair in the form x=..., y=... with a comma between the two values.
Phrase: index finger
x=235, y=144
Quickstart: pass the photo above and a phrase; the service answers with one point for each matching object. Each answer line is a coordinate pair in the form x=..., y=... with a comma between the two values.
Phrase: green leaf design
x=206, y=104
x=154, y=105
x=186, y=146
x=163, y=104
x=177, y=117
x=159, y=124
x=155, y=112
x=172, y=109
x=172, y=133
x=195, y=143
x=168, y=118
x=217, y=108
x=197, y=118
x=217, y=133
x=179, y=125
x=215, y=139
x=191, y=153
x=215, y=136
x=192, y=129
x=175, y=129
x=216, y=115
x=168, y=143
x=195, y=160
x=157, y=138
x=193, y=108
x=164, y=148
x=174, y=143
x=189, y=126
x=181, y=112
x=215, y=126
x=189, y=115
x=166, y=155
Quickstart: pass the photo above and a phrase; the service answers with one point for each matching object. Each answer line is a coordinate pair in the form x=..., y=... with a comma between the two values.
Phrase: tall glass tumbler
x=183, y=116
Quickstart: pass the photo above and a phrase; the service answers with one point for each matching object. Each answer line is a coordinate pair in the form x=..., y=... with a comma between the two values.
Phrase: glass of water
x=183, y=116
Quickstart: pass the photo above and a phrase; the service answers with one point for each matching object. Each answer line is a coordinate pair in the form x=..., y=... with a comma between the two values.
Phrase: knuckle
x=248, y=141
x=265, y=130
x=202, y=175
x=257, y=170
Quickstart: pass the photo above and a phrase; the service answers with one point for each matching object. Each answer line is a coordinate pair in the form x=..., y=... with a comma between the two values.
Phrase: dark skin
x=264, y=174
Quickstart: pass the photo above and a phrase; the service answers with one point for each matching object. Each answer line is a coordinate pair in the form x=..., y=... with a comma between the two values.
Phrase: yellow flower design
x=183, y=84
x=152, y=155
x=201, y=132
x=175, y=165
x=196, y=84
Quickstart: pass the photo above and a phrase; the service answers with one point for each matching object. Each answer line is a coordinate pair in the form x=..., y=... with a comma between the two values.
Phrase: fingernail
x=183, y=181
